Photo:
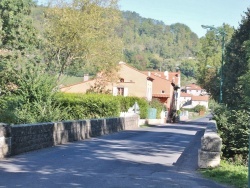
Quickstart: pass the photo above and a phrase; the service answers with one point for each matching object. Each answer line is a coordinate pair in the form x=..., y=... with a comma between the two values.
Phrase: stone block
x=96, y=126
x=211, y=142
x=208, y=159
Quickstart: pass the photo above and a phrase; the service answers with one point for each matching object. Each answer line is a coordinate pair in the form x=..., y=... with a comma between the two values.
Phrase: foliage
x=127, y=102
x=199, y=108
x=83, y=32
x=233, y=127
x=196, y=109
x=209, y=57
x=19, y=41
x=144, y=47
x=17, y=31
x=237, y=64
x=228, y=173
x=82, y=106
x=33, y=98
x=155, y=103
x=86, y=106
x=212, y=105
x=148, y=44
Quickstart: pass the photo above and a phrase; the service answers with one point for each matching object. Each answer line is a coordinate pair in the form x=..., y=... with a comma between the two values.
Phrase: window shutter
x=114, y=91
x=125, y=92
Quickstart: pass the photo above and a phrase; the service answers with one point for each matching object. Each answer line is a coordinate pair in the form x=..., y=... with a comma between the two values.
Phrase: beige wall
x=135, y=82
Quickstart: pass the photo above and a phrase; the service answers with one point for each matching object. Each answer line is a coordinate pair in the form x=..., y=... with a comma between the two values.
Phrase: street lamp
x=222, y=32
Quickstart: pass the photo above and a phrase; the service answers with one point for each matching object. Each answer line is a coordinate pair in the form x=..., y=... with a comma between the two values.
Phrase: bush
x=199, y=108
x=32, y=100
x=155, y=103
x=82, y=106
x=233, y=127
x=89, y=106
x=127, y=102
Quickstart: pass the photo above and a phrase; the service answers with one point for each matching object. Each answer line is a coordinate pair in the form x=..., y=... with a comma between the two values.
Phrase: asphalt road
x=159, y=156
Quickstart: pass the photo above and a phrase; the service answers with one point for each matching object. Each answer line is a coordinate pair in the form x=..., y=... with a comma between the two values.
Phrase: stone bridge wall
x=211, y=143
x=16, y=139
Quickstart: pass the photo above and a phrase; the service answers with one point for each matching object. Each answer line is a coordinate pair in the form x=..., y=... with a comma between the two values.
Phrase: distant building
x=195, y=90
x=192, y=96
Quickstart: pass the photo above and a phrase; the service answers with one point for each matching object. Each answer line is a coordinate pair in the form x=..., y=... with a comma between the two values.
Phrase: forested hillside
x=148, y=44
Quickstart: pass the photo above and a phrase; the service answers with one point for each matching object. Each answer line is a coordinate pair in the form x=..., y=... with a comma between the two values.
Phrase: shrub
x=82, y=106
x=199, y=108
x=127, y=102
x=89, y=106
x=155, y=103
x=233, y=127
x=32, y=100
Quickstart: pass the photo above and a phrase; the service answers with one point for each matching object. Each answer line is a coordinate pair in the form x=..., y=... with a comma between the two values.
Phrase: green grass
x=228, y=173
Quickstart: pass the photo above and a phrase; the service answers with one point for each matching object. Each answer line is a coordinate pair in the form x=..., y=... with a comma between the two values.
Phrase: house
x=163, y=89
x=194, y=95
x=195, y=90
x=200, y=100
x=185, y=99
x=131, y=82
x=144, y=84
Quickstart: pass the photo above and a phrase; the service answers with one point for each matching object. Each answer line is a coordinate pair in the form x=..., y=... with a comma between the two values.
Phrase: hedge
x=86, y=106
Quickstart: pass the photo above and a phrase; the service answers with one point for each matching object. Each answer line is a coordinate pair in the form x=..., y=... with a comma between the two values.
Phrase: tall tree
x=237, y=64
x=18, y=40
x=210, y=57
x=83, y=31
x=17, y=32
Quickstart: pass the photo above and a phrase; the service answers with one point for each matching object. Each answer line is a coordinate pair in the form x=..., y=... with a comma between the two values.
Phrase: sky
x=192, y=13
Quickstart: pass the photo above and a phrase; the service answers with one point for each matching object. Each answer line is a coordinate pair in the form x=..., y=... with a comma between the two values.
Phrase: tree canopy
x=83, y=31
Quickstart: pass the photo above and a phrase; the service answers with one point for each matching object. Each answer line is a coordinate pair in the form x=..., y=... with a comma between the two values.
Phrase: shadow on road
x=137, y=158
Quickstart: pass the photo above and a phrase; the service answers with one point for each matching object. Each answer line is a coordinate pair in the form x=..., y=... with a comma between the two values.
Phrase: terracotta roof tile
x=193, y=87
x=185, y=94
x=161, y=95
x=200, y=98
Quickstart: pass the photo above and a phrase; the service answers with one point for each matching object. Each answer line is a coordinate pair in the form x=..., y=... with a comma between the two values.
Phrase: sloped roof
x=141, y=72
x=171, y=75
x=160, y=84
x=193, y=87
x=183, y=94
x=200, y=98
x=67, y=86
x=161, y=95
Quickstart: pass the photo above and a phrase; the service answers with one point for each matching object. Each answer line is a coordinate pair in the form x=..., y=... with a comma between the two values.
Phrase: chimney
x=166, y=74
x=86, y=77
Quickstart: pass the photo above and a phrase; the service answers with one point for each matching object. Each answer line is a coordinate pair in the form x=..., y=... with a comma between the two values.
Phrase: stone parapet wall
x=16, y=139
x=211, y=143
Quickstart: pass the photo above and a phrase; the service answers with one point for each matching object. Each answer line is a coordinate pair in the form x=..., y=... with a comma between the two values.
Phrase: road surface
x=158, y=156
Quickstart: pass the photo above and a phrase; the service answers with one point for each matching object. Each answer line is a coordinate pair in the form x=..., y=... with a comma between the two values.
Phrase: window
x=120, y=91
